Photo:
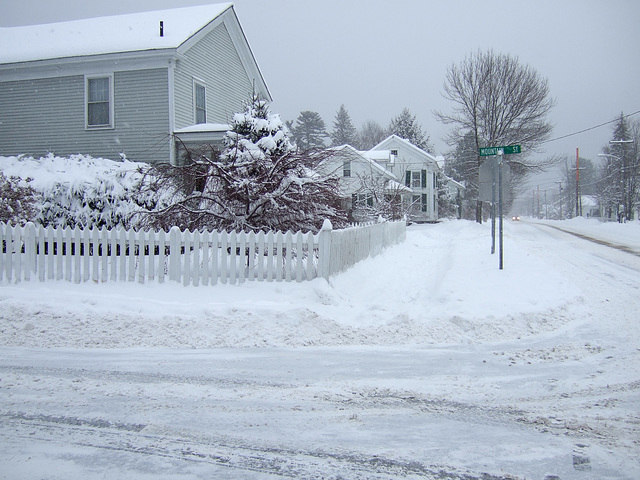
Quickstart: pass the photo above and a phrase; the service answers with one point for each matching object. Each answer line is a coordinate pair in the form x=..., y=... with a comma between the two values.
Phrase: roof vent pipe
x=161, y=28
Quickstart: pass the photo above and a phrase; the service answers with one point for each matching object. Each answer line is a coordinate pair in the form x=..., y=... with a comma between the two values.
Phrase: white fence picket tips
x=191, y=258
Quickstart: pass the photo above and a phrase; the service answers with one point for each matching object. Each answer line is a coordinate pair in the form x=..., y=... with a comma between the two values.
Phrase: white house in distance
x=414, y=167
x=394, y=172
x=142, y=85
x=363, y=182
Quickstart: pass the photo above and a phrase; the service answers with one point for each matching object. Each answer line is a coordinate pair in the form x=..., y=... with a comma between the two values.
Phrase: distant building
x=417, y=169
x=394, y=177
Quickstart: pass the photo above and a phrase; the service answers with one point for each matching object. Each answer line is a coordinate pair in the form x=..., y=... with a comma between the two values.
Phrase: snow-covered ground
x=424, y=362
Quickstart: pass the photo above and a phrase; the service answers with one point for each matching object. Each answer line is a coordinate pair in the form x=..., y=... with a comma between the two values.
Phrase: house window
x=346, y=168
x=361, y=200
x=416, y=180
x=99, y=95
x=416, y=203
x=394, y=152
x=419, y=203
x=199, y=102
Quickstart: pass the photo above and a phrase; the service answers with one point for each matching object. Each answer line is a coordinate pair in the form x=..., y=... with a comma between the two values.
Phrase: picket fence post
x=30, y=250
x=324, y=249
x=174, y=254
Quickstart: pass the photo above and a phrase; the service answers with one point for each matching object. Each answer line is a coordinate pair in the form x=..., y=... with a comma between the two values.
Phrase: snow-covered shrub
x=82, y=190
x=18, y=201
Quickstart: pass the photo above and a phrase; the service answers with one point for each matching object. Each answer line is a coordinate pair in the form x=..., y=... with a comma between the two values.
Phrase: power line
x=592, y=128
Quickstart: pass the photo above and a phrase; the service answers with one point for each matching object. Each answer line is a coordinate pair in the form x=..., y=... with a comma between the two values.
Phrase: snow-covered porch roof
x=202, y=133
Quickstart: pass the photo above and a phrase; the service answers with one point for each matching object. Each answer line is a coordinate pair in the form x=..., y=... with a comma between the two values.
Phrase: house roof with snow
x=391, y=140
x=134, y=32
x=365, y=159
x=129, y=41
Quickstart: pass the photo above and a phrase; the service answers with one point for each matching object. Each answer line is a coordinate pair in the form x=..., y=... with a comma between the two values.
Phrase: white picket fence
x=192, y=258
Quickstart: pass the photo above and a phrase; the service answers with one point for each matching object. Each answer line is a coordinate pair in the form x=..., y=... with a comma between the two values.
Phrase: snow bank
x=440, y=286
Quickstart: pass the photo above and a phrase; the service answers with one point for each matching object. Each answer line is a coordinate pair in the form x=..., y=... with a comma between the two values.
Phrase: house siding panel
x=215, y=61
x=41, y=116
x=141, y=115
x=48, y=115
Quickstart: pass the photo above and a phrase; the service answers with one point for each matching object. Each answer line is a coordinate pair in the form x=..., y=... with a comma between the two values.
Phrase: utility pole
x=546, y=207
x=538, y=201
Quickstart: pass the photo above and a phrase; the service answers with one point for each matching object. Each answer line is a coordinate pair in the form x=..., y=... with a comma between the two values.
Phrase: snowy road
x=559, y=403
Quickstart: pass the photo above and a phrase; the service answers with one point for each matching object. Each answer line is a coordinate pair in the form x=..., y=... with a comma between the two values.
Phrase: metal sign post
x=501, y=261
x=493, y=170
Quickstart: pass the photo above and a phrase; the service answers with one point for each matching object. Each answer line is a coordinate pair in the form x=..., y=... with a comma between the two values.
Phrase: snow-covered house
x=143, y=85
x=418, y=171
x=364, y=183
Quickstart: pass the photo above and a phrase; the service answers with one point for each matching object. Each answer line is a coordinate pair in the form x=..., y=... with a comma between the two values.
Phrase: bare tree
x=500, y=102
x=371, y=134
x=379, y=197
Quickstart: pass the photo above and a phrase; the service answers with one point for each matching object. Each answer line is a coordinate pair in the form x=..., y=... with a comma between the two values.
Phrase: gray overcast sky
x=378, y=57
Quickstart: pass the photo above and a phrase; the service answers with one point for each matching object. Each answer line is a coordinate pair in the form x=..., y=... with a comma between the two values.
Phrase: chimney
x=161, y=28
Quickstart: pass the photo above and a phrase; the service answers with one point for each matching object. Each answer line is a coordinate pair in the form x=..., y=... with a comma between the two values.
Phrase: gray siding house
x=141, y=85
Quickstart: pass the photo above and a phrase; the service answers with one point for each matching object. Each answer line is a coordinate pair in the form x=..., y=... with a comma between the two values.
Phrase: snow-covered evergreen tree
x=406, y=126
x=619, y=185
x=258, y=182
x=344, y=133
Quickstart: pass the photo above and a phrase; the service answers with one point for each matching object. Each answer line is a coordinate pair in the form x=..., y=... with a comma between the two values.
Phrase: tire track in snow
x=233, y=454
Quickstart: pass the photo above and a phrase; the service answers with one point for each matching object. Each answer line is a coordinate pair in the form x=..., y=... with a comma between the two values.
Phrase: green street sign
x=509, y=149
x=488, y=151
x=506, y=150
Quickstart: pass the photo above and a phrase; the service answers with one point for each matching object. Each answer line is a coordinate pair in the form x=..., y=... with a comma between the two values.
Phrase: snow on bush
x=80, y=190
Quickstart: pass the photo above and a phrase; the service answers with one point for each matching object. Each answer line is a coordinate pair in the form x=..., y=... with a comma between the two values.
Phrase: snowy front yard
x=425, y=362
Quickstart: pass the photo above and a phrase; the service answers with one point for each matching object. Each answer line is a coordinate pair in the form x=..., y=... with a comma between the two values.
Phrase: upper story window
x=199, y=102
x=394, y=152
x=416, y=179
x=99, y=99
x=346, y=168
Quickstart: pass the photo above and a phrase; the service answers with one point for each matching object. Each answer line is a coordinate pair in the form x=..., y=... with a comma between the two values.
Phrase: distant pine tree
x=309, y=131
x=344, y=133
x=406, y=126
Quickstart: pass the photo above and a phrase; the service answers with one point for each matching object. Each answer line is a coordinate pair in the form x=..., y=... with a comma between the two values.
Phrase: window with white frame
x=346, y=168
x=362, y=200
x=416, y=179
x=99, y=101
x=199, y=101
